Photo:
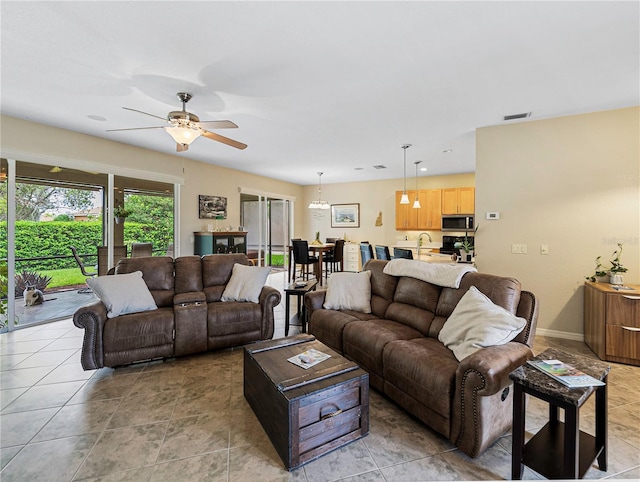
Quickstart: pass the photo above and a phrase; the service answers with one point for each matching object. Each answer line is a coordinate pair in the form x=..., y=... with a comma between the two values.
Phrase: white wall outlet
x=492, y=215
x=544, y=249
x=519, y=249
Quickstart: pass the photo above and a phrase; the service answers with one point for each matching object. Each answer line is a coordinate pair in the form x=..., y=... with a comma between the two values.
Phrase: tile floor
x=186, y=419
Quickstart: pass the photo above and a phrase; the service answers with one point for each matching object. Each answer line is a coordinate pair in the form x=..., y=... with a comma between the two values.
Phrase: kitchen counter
x=429, y=252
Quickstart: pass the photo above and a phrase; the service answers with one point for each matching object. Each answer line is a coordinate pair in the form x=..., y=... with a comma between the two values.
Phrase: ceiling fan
x=186, y=127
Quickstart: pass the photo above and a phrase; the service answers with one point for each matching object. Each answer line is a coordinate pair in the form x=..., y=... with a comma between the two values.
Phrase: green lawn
x=63, y=277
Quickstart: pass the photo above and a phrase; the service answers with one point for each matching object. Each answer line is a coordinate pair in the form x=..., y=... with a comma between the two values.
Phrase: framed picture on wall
x=212, y=207
x=345, y=215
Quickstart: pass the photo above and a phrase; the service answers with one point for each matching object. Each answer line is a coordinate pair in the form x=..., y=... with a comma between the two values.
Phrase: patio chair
x=88, y=274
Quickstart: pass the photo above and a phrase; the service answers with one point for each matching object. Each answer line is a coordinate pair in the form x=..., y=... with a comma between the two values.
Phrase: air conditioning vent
x=517, y=116
x=379, y=166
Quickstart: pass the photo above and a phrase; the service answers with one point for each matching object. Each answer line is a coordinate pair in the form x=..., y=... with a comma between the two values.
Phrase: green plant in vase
x=317, y=240
x=599, y=272
x=120, y=214
x=616, y=270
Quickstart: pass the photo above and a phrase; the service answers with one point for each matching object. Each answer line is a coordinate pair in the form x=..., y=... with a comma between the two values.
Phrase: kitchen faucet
x=418, y=242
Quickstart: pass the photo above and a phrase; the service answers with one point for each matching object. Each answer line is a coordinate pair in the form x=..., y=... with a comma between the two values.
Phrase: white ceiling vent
x=379, y=166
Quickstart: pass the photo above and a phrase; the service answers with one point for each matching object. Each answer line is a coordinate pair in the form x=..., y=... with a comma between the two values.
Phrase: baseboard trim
x=560, y=334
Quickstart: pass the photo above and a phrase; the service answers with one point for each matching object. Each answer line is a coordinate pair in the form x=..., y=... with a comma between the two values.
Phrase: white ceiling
x=317, y=86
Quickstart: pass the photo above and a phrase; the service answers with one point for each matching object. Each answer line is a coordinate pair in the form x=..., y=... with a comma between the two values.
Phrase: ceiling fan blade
x=225, y=140
x=181, y=147
x=145, y=113
x=220, y=124
x=135, y=128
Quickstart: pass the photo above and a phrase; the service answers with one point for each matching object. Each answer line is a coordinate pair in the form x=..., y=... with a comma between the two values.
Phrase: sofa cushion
x=233, y=323
x=246, y=283
x=328, y=325
x=216, y=273
x=364, y=341
x=349, y=291
x=123, y=293
x=157, y=272
x=476, y=322
x=426, y=371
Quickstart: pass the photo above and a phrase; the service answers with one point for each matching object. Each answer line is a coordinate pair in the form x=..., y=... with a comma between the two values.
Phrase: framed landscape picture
x=345, y=215
x=212, y=207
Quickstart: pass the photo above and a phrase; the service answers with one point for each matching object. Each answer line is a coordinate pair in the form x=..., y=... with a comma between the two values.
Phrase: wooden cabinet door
x=450, y=200
x=430, y=212
x=467, y=200
x=458, y=200
x=406, y=216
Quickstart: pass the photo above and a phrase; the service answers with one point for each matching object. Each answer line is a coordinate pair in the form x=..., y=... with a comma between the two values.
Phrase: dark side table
x=301, y=316
x=559, y=450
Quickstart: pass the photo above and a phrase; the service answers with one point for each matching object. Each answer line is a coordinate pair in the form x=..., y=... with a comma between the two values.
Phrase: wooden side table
x=301, y=316
x=559, y=450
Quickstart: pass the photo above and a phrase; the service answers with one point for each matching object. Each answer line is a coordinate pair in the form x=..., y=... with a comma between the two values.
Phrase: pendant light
x=405, y=198
x=416, y=203
x=319, y=204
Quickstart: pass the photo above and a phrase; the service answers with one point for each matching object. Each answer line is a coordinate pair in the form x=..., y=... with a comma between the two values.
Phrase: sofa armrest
x=269, y=299
x=492, y=366
x=313, y=300
x=91, y=317
x=482, y=405
x=190, y=297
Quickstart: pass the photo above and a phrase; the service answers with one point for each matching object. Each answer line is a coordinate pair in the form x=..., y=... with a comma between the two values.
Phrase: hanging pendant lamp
x=405, y=199
x=416, y=203
x=319, y=204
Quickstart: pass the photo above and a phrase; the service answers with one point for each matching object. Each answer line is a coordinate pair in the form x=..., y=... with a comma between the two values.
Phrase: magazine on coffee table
x=565, y=374
x=308, y=358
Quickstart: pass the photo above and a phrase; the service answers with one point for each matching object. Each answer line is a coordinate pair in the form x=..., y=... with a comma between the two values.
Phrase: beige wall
x=28, y=141
x=374, y=197
x=572, y=183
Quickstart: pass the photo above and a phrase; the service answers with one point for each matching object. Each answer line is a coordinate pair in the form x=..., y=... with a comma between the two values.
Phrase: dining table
x=316, y=249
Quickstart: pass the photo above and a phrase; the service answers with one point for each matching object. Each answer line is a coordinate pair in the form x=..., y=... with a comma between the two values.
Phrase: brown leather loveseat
x=190, y=316
x=468, y=401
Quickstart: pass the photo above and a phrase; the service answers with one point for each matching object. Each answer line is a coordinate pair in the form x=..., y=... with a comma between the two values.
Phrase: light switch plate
x=491, y=215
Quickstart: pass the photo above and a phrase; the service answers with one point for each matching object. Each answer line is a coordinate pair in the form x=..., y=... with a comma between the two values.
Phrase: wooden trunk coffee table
x=305, y=412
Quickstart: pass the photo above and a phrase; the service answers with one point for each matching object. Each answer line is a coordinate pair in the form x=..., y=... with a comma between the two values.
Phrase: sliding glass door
x=267, y=221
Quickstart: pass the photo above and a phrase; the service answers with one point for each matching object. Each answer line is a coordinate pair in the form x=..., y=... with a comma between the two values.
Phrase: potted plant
x=317, y=240
x=120, y=214
x=616, y=270
x=599, y=273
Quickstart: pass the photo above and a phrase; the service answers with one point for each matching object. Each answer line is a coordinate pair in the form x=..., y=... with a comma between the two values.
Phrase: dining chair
x=402, y=253
x=301, y=257
x=382, y=252
x=366, y=252
x=141, y=249
x=333, y=260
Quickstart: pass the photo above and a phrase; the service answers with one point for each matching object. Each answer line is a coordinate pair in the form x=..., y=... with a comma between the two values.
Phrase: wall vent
x=517, y=116
x=379, y=166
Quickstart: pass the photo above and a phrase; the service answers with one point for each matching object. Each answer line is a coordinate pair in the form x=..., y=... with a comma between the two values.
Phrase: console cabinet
x=219, y=242
x=612, y=322
x=351, y=257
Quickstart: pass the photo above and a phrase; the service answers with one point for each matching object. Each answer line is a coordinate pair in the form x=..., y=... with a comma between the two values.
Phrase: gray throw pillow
x=123, y=293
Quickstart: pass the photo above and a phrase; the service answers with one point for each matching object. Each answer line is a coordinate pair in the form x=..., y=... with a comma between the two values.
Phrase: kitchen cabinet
x=612, y=322
x=351, y=257
x=430, y=212
x=428, y=217
x=219, y=242
x=458, y=200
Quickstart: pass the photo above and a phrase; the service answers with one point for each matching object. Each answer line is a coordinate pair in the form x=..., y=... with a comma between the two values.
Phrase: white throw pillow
x=476, y=322
x=349, y=291
x=246, y=283
x=123, y=293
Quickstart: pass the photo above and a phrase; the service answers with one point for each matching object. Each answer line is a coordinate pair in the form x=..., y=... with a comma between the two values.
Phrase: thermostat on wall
x=493, y=215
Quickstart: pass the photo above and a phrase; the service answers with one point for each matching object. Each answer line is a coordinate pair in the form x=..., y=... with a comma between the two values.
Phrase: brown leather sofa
x=468, y=401
x=190, y=317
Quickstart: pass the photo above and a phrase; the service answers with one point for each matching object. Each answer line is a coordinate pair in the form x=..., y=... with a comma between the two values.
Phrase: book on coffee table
x=308, y=358
x=565, y=374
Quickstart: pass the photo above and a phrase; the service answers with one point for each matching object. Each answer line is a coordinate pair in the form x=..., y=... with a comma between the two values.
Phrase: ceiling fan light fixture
x=183, y=135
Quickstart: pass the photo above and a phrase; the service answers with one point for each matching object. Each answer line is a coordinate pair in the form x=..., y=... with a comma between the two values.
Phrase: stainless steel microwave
x=457, y=222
